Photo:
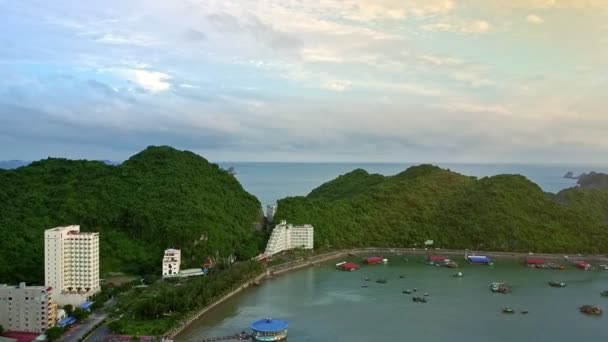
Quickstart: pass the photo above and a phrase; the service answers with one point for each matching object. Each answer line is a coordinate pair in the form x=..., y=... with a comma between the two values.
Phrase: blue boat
x=478, y=259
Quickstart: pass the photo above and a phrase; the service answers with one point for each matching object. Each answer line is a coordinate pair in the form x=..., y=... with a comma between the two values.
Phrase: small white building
x=286, y=236
x=71, y=264
x=171, y=262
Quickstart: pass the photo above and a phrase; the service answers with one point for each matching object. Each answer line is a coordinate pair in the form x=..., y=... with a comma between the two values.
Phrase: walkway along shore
x=302, y=263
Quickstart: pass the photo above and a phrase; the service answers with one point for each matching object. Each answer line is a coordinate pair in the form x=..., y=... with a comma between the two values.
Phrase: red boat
x=534, y=261
x=437, y=258
x=374, y=260
x=583, y=265
x=347, y=266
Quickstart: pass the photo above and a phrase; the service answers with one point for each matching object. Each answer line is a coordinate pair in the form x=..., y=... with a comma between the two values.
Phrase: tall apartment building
x=171, y=262
x=71, y=264
x=270, y=211
x=286, y=236
x=27, y=308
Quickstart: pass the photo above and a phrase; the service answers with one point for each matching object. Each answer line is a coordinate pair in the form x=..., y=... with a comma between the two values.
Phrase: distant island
x=570, y=175
x=593, y=180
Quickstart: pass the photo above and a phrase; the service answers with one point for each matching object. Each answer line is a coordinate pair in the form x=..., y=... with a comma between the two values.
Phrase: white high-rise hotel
x=71, y=264
x=286, y=236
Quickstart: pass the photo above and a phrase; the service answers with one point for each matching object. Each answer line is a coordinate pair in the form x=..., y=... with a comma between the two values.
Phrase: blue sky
x=306, y=80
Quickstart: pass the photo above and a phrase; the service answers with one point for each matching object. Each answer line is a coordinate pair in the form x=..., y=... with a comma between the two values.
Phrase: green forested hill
x=506, y=212
x=158, y=198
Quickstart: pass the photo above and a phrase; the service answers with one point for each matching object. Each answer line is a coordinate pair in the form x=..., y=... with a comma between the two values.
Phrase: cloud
x=534, y=19
x=337, y=85
x=195, y=35
x=136, y=40
x=152, y=81
x=460, y=26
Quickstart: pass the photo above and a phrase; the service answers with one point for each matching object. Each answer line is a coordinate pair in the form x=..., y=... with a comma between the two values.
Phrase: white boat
x=604, y=267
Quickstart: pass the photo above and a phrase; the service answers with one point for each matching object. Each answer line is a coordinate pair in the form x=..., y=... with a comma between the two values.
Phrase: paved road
x=79, y=330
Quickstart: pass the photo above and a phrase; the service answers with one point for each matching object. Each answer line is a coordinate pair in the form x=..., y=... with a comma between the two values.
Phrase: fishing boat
x=374, y=260
x=508, y=310
x=347, y=266
x=500, y=288
x=557, y=284
x=591, y=310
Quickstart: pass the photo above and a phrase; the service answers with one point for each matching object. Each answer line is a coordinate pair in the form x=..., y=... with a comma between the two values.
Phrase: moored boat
x=382, y=281
x=508, y=310
x=347, y=266
x=478, y=259
x=374, y=260
x=557, y=284
x=500, y=288
x=591, y=310
x=583, y=265
x=604, y=293
x=458, y=275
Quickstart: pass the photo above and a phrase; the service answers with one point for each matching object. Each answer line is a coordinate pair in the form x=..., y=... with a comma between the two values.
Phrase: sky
x=480, y=81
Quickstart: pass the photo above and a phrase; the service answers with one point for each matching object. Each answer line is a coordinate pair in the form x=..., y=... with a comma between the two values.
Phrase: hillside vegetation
x=506, y=212
x=158, y=198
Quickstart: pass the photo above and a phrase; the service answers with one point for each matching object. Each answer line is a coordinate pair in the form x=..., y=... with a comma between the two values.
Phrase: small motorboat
x=364, y=285
x=500, y=288
x=603, y=267
x=426, y=294
x=508, y=310
x=405, y=259
x=604, y=293
x=591, y=310
x=524, y=312
x=415, y=289
x=407, y=291
x=557, y=284
x=419, y=299
x=382, y=281
x=458, y=275
x=402, y=276
x=451, y=264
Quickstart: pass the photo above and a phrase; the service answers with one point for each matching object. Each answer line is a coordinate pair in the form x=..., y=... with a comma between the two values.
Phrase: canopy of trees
x=158, y=198
x=505, y=212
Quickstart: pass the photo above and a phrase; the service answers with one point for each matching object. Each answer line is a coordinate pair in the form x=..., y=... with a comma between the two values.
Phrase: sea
x=270, y=182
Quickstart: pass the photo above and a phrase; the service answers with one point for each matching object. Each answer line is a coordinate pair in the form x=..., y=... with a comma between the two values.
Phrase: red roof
x=348, y=266
x=373, y=260
x=437, y=258
x=21, y=336
x=534, y=261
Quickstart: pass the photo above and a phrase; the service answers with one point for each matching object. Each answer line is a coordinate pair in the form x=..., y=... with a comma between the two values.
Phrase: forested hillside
x=506, y=212
x=158, y=198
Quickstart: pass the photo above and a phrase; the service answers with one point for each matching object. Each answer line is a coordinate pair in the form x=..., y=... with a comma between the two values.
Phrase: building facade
x=286, y=236
x=171, y=263
x=27, y=308
x=270, y=211
x=71, y=259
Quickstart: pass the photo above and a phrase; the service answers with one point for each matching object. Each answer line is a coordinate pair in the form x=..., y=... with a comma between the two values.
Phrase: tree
x=68, y=309
x=80, y=314
x=54, y=333
x=1, y=329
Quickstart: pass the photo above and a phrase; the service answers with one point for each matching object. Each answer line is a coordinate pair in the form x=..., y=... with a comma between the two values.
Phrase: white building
x=171, y=262
x=286, y=236
x=71, y=260
x=270, y=211
x=27, y=308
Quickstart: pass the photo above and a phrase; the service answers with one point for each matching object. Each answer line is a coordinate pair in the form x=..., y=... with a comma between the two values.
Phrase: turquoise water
x=272, y=181
x=324, y=304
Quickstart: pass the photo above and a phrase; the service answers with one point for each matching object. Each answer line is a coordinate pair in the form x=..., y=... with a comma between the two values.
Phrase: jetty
x=241, y=336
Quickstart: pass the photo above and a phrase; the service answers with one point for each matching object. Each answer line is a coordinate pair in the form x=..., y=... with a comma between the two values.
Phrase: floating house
x=269, y=329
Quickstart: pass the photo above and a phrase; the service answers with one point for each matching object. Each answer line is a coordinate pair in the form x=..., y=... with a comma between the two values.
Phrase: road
x=79, y=330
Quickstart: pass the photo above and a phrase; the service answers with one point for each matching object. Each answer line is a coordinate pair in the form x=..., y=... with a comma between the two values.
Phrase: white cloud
x=135, y=40
x=438, y=61
x=459, y=26
x=365, y=10
x=152, y=81
x=320, y=55
x=337, y=85
x=475, y=108
x=534, y=19
x=188, y=86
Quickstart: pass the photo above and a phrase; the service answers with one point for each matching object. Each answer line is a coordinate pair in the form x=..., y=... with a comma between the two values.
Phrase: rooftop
x=269, y=325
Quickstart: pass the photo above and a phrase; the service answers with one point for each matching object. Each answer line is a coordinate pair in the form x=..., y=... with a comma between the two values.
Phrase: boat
x=604, y=293
x=591, y=310
x=524, y=312
x=375, y=260
x=583, y=265
x=363, y=285
x=508, y=310
x=500, y=288
x=347, y=266
x=382, y=281
x=604, y=267
x=407, y=291
x=557, y=284
x=451, y=264
x=366, y=279
x=535, y=262
x=426, y=294
x=419, y=299
x=478, y=259
x=458, y=275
